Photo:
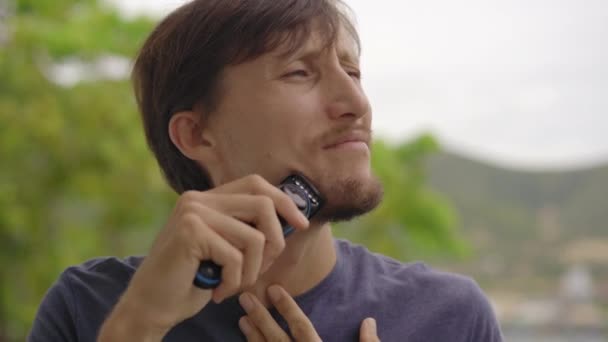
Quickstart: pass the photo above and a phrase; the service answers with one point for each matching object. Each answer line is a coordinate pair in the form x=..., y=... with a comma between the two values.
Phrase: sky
x=522, y=84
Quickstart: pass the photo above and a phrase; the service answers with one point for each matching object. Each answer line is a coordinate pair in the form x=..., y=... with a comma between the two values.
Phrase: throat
x=309, y=256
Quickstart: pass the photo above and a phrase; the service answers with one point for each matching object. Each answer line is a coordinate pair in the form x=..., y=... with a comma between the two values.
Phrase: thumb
x=368, y=331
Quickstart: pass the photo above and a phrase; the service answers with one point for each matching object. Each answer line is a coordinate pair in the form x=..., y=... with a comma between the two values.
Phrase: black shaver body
x=306, y=197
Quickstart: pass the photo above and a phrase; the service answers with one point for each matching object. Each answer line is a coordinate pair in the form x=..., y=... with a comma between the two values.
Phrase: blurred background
x=490, y=136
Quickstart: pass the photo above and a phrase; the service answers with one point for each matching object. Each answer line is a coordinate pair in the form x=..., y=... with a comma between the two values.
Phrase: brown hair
x=180, y=63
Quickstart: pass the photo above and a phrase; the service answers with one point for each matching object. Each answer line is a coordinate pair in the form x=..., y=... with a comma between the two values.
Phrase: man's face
x=306, y=112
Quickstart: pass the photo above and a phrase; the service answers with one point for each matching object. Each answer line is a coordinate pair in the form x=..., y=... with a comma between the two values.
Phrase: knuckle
x=299, y=328
x=276, y=338
x=189, y=230
x=258, y=313
x=256, y=181
x=265, y=203
x=258, y=239
x=190, y=207
x=274, y=252
x=189, y=224
x=275, y=246
x=188, y=196
x=279, y=246
x=236, y=257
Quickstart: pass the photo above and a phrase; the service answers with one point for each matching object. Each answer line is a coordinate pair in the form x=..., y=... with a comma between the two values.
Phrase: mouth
x=352, y=139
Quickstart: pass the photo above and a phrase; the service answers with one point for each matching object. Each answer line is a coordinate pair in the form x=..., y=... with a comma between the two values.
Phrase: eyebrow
x=306, y=54
x=348, y=56
x=344, y=55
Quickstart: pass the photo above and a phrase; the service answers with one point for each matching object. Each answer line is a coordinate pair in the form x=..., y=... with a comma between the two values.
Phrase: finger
x=250, y=241
x=300, y=326
x=368, y=332
x=258, y=211
x=259, y=316
x=250, y=331
x=257, y=185
x=213, y=246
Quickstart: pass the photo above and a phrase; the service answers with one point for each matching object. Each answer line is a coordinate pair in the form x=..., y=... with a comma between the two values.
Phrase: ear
x=187, y=134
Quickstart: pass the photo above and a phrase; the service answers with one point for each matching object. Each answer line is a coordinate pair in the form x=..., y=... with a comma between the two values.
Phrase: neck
x=308, y=257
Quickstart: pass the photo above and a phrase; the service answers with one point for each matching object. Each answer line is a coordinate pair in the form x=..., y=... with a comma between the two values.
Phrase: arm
x=121, y=326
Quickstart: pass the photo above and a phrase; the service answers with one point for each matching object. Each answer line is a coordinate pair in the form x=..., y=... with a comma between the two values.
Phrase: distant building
x=577, y=306
x=576, y=284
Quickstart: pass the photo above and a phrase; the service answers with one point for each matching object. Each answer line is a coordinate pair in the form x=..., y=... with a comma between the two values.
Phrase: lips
x=348, y=137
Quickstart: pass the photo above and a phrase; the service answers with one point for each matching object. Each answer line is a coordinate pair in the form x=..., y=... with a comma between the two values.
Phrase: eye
x=297, y=73
x=355, y=74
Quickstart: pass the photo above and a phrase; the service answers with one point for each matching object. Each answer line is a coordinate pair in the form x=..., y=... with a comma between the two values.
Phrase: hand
x=207, y=225
x=258, y=325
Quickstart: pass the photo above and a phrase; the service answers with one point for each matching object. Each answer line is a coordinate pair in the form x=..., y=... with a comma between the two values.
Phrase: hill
x=526, y=228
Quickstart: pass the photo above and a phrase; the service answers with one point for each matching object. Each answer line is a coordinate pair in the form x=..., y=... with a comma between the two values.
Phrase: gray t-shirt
x=409, y=301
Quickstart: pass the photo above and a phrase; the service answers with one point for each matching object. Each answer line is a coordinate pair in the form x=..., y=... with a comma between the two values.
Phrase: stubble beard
x=347, y=198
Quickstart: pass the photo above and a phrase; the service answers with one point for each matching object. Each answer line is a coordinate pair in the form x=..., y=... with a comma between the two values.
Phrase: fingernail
x=274, y=293
x=371, y=323
x=266, y=266
x=245, y=325
x=304, y=220
x=217, y=298
x=246, y=302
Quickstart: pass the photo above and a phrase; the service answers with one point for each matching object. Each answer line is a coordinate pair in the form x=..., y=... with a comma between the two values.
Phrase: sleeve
x=485, y=326
x=54, y=320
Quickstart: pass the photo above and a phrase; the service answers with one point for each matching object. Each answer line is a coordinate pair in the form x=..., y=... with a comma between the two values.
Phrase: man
x=236, y=95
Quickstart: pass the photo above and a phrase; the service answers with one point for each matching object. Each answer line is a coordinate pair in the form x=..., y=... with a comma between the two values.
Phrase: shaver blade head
x=304, y=194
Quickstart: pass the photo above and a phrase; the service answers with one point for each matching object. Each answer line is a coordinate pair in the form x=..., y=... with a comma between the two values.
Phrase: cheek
x=286, y=117
x=277, y=123
x=256, y=137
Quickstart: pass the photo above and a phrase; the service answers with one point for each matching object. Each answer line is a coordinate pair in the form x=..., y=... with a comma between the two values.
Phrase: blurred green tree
x=77, y=180
x=412, y=221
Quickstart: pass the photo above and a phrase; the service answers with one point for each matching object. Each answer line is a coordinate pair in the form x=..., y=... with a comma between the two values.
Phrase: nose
x=345, y=97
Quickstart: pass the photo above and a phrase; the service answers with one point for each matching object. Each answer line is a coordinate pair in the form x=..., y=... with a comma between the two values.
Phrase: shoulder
x=366, y=264
x=94, y=273
x=104, y=269
x=433, y=295
x=98, y=283
x=453, y=306
x=412, y=276
x=80, y=297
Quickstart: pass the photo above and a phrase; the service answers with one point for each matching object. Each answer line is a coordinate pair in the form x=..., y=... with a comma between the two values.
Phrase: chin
x=348, y=195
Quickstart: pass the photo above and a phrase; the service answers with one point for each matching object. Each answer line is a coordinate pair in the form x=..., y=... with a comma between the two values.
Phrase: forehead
x=315, y=43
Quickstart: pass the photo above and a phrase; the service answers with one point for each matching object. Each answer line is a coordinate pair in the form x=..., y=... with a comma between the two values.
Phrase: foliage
x=412, y=221
x=77, y=180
